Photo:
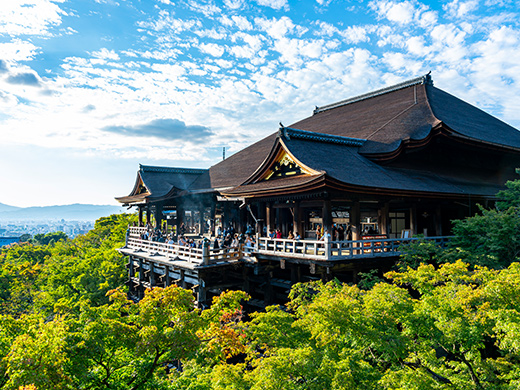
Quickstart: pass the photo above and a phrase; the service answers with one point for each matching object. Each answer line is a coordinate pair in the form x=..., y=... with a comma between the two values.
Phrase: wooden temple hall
x=344, y=187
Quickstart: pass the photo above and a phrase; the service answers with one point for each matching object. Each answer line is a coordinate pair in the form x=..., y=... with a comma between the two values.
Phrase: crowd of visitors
x=228, y=237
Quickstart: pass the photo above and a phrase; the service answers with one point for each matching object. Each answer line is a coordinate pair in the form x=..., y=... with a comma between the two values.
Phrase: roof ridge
x=289, y=132
x=151, y=168
x=426, y=79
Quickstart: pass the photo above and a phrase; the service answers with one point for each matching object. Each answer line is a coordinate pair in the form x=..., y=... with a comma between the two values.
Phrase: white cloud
x=241, y=22
x=275, y=4
x=234, y=4
x=460, y=9
x=399, y=12
x=276, y=28
x=29, y=17
x=17, y=50
x=168, y=22
x=355, y=34
x=417, y=46
x=404, y=12
x=106, y=54
x=326, y=29
x=212, y=49
x=211, y=33
x=207, y=9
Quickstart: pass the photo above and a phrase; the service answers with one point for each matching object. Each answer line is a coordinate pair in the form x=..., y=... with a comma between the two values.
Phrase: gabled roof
x=154, y=183
x=346, y=143
x=345, y=140
x=342, y=167
x=408, y=111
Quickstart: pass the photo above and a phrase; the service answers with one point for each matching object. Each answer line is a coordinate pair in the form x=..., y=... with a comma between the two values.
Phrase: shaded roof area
x=345, y=165
x=292, y=183
x=160, y=181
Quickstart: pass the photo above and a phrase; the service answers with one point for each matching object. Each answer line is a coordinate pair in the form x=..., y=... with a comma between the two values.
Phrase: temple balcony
x=311, y=250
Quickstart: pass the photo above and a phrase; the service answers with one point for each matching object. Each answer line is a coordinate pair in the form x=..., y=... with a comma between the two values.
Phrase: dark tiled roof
x=384, y=120
x=346, y=165
x=274, y=185
x=161, y=180
x=469, y=121
x=405, y=112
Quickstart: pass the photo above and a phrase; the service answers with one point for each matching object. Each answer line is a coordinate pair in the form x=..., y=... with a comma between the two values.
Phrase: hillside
x=5, y=207
x=73, y=212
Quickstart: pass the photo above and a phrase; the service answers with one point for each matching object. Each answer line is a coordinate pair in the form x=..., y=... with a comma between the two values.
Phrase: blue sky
x=91, y=88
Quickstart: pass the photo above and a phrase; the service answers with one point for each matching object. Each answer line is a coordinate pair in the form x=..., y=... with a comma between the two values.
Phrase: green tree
x=86, y=268
x=49, y=238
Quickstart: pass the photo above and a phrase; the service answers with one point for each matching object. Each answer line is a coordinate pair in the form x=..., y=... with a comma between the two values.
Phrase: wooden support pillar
x=327, y=216
x=183, y=278
x=269, y=291
x=269, y=210
x=131, y=275
x=383, y=218
x=152, y=277
x=413, y=219
x=201, y=221
x=140, y=287
x=167, y=277
x=225, y=216
x=261, y=218
x=297, y=219
x=158, y=215
x=148, y=219
x=205, y=251
x=245, y=279
x=201, y=294
x=141, y=223
x=355, y=221
x=294, y=274
x=438, y=220
x=180, y=219
x=242, y=219
x=213, y=218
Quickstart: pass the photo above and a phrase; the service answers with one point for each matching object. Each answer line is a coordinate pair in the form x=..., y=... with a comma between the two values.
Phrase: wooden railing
x=338, y=250
x=203, y=255
x=136, y=231
x=325, y=250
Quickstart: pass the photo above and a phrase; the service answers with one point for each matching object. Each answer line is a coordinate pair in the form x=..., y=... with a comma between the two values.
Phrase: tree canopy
x=443, y=319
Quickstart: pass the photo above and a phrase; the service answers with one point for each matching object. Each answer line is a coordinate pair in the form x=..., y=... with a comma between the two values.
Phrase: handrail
x=337, y=250
x=303, y=249
x=189, y=254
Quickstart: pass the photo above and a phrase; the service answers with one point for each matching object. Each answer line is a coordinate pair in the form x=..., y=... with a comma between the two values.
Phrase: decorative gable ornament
x=283, y=167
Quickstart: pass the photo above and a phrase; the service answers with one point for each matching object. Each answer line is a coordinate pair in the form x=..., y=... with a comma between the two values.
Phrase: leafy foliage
x=443, y=319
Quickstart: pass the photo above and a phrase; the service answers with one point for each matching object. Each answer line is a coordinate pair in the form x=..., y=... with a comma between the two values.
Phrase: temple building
x=387, y=165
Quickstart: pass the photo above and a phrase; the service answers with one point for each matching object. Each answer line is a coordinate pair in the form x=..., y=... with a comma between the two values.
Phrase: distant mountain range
x=72, y=212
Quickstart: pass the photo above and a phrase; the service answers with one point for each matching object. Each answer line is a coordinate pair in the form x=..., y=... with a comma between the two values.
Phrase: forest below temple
x=444, y=318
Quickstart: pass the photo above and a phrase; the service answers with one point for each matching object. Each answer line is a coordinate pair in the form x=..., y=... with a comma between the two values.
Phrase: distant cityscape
x=73, y=220
x=71, y=228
